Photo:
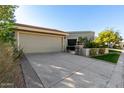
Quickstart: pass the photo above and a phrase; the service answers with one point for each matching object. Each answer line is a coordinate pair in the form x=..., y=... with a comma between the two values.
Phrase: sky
x=73, y=17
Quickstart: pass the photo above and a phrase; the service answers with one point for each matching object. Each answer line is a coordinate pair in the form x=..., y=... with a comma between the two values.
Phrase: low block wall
x=91, y=51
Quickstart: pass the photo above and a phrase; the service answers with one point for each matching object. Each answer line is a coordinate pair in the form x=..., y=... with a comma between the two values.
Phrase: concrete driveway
x=64, y=70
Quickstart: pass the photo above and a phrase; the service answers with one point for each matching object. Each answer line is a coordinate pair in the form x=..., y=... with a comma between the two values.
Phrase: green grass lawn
x=109, y=57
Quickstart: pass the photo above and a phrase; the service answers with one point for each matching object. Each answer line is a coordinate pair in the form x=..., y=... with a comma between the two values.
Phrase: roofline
x=18, y=27
x=81, y=32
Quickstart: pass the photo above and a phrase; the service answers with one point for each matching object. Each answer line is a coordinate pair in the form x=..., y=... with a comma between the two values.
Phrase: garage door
x=35, y=43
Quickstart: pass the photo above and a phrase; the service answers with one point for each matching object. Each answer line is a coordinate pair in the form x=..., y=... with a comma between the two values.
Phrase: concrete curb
x=31, y=78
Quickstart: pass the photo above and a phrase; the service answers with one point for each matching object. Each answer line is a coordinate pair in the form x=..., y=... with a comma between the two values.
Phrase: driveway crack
x=65, y=78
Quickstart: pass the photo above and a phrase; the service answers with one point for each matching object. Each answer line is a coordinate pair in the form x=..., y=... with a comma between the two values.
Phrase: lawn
x=111, y=57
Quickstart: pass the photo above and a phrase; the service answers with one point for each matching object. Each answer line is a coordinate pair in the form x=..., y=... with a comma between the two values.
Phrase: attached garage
x=40, y=40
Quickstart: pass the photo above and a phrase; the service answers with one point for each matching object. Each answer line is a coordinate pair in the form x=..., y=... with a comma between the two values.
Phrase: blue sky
x=73, y=18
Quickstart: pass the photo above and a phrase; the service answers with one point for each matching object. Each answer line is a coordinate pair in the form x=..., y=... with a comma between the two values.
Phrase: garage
x=40, y=40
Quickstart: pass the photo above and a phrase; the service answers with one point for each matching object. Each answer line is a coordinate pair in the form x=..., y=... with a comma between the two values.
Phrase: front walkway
x=63, y=70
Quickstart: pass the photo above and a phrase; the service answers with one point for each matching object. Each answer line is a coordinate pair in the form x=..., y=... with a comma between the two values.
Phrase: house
x=39, y=40
x=33, y=39
x=72, y=38
x=122, y=44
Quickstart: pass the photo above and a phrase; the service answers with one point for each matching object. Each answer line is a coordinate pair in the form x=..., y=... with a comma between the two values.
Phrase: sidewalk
x=117, y=79
x=116, y=49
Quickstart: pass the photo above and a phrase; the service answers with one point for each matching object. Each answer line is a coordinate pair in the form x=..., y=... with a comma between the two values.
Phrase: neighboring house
x=122, y=44
x=39, y=40
x=72, y=38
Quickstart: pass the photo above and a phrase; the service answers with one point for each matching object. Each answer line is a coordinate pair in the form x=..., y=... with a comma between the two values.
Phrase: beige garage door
x=35, y=43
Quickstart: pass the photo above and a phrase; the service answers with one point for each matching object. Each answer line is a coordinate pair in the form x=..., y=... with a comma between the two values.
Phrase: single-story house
x=34, y=39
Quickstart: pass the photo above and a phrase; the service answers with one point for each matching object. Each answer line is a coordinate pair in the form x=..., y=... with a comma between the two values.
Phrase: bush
x=101, y=51
x=93, y=51
x=92, y=44
x=10, y=72
x=117, y=47
x=88, y=43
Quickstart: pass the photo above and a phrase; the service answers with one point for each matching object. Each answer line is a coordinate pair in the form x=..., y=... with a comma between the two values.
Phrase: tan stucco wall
x=75, y=35
x=39, y=42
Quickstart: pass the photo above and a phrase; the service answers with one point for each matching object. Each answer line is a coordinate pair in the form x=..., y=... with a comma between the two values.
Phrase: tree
x=10, y=71
x=7, y=21
x=108, y=37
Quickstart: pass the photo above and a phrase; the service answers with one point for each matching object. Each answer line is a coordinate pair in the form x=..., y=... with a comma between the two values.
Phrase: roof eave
x=30, y=28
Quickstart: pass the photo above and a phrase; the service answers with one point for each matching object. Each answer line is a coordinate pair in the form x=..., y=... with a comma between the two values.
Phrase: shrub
x=101, y=51
x=88, y=43
x=92, y=44
x=93, y=52
x=10, y=72
x=117, y=47
x=80, y=40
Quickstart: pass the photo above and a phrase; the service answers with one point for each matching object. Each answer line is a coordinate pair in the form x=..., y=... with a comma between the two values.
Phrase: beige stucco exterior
x=40, y=40
x=75, y=35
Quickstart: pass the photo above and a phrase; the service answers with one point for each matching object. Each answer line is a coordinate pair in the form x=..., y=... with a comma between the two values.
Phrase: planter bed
x=100, y=53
